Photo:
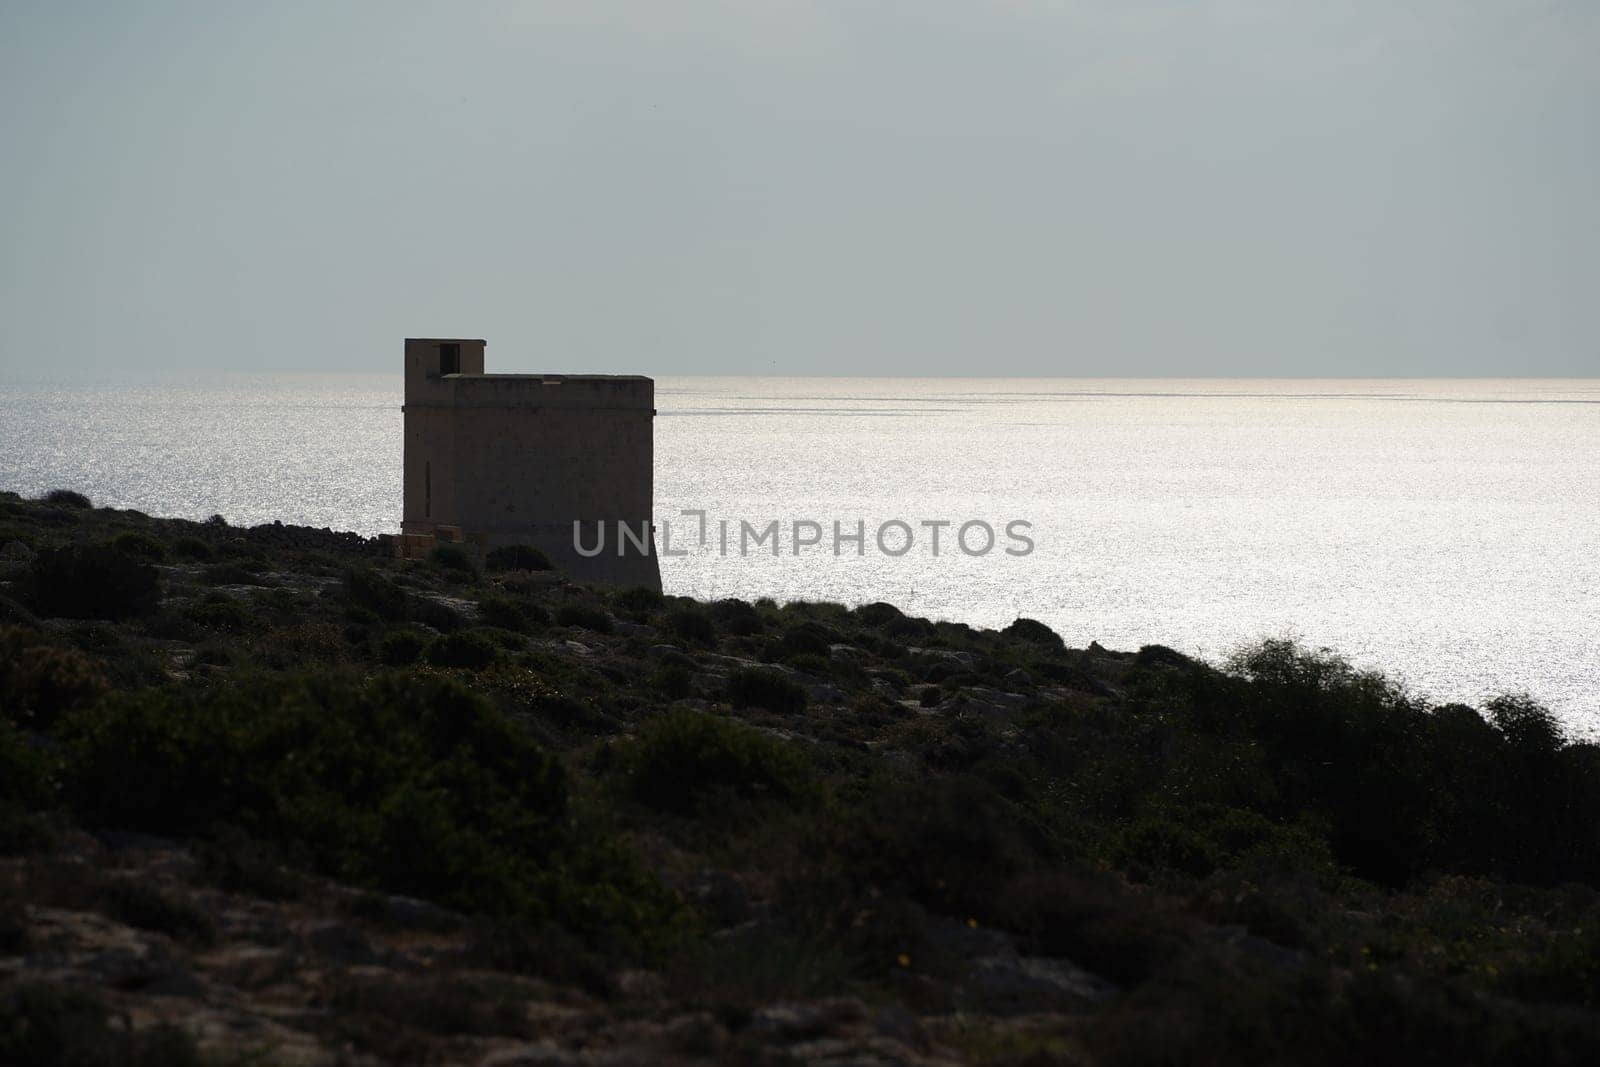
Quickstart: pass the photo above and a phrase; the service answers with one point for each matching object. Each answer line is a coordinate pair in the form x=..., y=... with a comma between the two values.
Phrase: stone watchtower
x=501, y=459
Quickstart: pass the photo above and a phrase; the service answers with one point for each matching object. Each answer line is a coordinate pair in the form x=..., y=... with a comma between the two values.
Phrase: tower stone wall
x=518, y=458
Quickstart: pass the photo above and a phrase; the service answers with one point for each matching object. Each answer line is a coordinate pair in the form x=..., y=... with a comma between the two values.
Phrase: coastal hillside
x=271, y=796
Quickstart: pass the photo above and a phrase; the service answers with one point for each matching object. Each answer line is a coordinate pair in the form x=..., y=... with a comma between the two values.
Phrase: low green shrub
x=1157, y=656
x=908, y=630
x=14, y=939
x=1215, y=1010
x=46, y=1025
x=807, y=639
x=510, y=640
x=435, y=613
x=368, y=589
x=414, y=786
x=40, y=681
x=760, y=964
x=1527, y=725
x=584, y=616
x=950, y=842
x=66, y=498
x=1400, y=788
x=686, y=759
x=820, y=666
x=467, y=649
x=1564, y=970
x=639, y=599
x=737, y=617
x=139, y=545
x=672, y=682
x=222, y=613
x=304, y=643
x=215, y=654
x=14, y=613
x=1165, y=843
x=1034, y=632
x=49, y=1024
x=877, y=614
x=170, y=624
x=252, y=557
x=516, y=558
x=230, y=573
x=1089, y=919
x=754, y=688
x=26, y=768
x=192, y=548
x=360, y=616
x=90, y=582
x=511, y=613
x=402, y=647
x=26, y=832
x=453, y=558
x=692, y=625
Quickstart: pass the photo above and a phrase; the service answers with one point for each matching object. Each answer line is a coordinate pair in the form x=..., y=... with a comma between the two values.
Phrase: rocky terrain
x=270, y=796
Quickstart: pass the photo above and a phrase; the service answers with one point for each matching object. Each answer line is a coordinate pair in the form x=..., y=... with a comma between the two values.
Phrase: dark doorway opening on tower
x=449, y=359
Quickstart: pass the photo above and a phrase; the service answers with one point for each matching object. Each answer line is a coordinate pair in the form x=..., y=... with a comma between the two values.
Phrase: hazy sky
x=1106, y=187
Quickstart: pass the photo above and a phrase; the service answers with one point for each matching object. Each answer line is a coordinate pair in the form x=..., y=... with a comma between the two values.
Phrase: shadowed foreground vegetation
x=268, y=795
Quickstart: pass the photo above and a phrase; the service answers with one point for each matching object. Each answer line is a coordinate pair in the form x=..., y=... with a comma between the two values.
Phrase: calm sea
x=1447, y=532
